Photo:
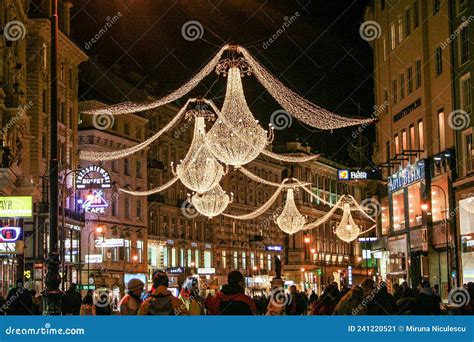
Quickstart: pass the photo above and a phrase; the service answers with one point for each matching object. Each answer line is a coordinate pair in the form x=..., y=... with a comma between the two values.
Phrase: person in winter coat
x=71, y=301
x=161, y=301
x=297, y=304
x=351, y=303
x=87, y=305
x=19, y=300
x=191, y=298
x=377, y=298
x=232, y=300
x=131, y=302
x=426, y=302
x=397, y=292
x=468, y=309
x=36, y=303
x=327, y=302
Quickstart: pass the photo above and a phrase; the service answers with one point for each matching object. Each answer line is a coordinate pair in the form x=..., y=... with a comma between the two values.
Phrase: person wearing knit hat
x=131, y=302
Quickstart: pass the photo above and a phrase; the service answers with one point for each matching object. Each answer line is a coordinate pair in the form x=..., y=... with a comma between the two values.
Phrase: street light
x=307, y=239
x=99, y=230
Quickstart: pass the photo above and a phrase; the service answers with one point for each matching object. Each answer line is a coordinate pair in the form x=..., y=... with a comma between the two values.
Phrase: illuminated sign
x=345, y=174
x=109, y=243
x=407, y=176
x=93, y=177
x=96, y=204
x=10, y=234
x=349, y=275
x=367, y=239
x=94, y=258
x=16, y=206
x=175, y=270
x=206, y=270
x=408, y=109
x=277, y=248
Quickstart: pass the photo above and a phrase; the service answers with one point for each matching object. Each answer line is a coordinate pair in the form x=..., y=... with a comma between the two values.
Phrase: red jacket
x=214, y=304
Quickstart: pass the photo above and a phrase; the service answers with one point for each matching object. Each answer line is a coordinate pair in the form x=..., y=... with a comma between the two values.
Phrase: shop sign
x=206, y=270
x=86, y=287
x=16, y=206
x=93, y=177
x=175, y=270
x=94, y=258
x=349, y=275
x=407, y=110
x=345, y=174
x=10, y=234
x=109, y=243
x=367, y=239
x=207, y=245
x=289, y=282
x=96, y=204
x=170, y=242
x=407, y=176
x=274, y=248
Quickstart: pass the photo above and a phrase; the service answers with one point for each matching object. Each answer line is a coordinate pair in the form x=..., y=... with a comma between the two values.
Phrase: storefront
x=466, y=232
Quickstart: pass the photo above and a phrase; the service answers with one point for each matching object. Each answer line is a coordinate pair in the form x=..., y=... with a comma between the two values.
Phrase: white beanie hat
x=134, y=283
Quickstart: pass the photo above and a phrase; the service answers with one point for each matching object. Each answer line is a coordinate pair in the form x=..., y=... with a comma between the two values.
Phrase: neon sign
x=96, y=204
x=93, y=177
x=10, y=234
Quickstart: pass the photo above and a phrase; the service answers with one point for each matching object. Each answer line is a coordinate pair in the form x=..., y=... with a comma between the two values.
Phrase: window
x=207, y=259
x=181, y=257
x=416, y=14
x=407, y=22
x=165, y=257
x=410, y=80
x=394, y=91
x=114, y=165
x=138, y=206
x=397, y=144
x=385, y=219
x=126, y=167
x=45, y=56
x=387, y=150
x=114, y=207
x=441, y=131
x=45, y=101
x=400, y=30
x=418, y=73
x=138, y=167
x=464, y=45
x=190, y=257
x=393, y=37
x=402, y=86
x=44, y=145
x=465, y=87
x=61, y=72
x=127, y=249
x=224, y=260
x=252, y=259
x=384, y=42
x=436, y=4
x=439, y=207
x=412, y=140
x=197, y=258
x=173, y=257
x=438, y=61
x=414, y=204
x=261, y=261
x=404, y=141
x=236, y=260
x=468, y=160
x=421, y=137
x=127, y=207
x=398, y=204
x=244, y=260
x=140, y=250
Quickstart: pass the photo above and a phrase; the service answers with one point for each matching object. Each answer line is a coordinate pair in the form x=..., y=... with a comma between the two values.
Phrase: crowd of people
x=368, y=298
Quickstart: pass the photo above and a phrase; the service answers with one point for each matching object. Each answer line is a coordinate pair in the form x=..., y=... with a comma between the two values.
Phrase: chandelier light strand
x=104, y=156
x=289, y=159
x=151, y=191
x=297, y=106
x=131, y=107
x=261, y=180
x=324, y=218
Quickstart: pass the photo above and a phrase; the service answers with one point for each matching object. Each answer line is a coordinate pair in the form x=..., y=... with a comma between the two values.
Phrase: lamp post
x=52, y=294
x=99, y=229
x=446, y=231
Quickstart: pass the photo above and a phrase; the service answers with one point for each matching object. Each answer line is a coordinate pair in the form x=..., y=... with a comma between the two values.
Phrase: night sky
x=320, y=55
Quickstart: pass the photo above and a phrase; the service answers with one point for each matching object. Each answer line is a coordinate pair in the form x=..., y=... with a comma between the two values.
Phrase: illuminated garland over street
x=261, y=180
x=289, y=159
x=151, y=191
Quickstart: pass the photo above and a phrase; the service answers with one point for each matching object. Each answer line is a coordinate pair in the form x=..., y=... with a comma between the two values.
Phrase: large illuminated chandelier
x=290, y=220
x=347, y=230
x=236, y=138
x=212, y=202
x=199, y=171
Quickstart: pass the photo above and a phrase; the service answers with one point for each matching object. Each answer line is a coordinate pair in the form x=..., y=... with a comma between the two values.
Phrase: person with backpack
x=131, y=302
x=161, y=301
x=191, y=297
x=232, y=300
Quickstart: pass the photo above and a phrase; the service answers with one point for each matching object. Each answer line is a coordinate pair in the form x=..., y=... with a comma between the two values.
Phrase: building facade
x=114, y=238
x=25, y=107
x=415, y=140
x=462, y=47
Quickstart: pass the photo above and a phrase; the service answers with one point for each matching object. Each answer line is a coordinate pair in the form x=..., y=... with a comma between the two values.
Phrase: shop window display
x=398, y=211
x=439, y=205
x=414, y=205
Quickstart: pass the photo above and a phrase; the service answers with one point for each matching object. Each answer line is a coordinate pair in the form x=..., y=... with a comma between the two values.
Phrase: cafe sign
x=16, y=206
x=93, y=177
x=407, y=176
